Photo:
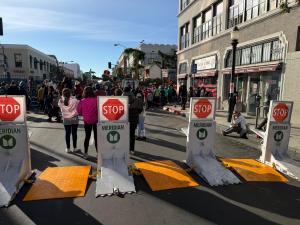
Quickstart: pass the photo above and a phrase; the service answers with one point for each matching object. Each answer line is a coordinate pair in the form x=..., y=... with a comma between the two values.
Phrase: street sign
x=12, y=109
x=202, y=134
x=194, y=68
x=278, y=136
x=281, y=112
x=202, y=108
x=165, y=73
x=113, y=109
x=7, y=142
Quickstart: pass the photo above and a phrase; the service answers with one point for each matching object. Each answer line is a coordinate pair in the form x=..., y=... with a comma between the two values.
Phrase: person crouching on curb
x=68, y=107
x=238, y=125
x=87, y=108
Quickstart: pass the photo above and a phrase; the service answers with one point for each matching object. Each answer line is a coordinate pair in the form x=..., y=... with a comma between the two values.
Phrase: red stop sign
x=10, y=109
x=113, y=109
x=202, y=109
x=280, y=112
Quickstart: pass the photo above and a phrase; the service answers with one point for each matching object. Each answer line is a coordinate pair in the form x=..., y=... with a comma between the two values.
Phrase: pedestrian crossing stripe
x=164, y=175
x=60, y=182
x=254, y=171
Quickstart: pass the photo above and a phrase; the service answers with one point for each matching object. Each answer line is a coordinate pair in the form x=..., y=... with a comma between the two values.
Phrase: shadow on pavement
x=166, y=144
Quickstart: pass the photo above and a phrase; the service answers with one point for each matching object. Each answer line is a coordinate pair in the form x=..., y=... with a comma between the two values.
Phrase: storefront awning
x=253, y=69
x=206, y=73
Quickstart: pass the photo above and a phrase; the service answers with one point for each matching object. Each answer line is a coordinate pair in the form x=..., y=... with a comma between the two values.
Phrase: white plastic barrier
x=113, y=147
x=201, y=137
x=276, y=139
x=15, y=163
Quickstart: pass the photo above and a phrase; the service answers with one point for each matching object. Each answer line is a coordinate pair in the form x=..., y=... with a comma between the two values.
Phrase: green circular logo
x=113, y=137
x=278, y=136
x=202, y=134
x=8, y=142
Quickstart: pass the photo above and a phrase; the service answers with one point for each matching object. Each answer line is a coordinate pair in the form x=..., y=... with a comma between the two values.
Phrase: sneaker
x=131, y=152
x=68, y=150
x=144, y=138
x=85, y=156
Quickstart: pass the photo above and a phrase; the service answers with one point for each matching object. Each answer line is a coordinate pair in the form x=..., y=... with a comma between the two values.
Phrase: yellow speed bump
x=60, y=182
x=164, y=175
x=252, y=170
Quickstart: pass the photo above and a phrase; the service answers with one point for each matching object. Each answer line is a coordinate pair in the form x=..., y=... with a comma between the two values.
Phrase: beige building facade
x=22, y=62
x=267, y=57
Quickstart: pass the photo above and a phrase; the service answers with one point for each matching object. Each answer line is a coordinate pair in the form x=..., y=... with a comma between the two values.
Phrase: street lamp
x=232, y=97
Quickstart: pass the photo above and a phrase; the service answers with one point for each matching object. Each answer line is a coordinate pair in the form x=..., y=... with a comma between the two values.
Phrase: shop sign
x=206, y=63
x=165, y=72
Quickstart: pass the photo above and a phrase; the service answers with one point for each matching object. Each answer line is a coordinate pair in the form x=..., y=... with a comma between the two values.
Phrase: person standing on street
x=183, y=96
x=40, y=97
x=135, y=108
x=68, y=106
x=87, y=108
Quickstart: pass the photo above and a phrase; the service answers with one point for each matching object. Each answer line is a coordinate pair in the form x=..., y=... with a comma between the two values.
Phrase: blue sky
x=85, y=31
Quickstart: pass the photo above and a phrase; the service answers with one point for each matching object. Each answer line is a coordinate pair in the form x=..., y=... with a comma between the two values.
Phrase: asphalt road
x=243, y=204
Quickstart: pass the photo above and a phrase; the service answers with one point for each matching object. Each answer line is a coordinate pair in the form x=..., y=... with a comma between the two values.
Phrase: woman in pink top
x=87, y=108
x=68, y=106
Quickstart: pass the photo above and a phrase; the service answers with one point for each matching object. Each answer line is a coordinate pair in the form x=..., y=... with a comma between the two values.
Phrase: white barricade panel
x=15, y=165
x=276, y=141
x=200, y=143
x=113, y=141
x=113, y=146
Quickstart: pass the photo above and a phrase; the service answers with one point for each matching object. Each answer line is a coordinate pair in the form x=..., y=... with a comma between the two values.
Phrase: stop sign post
x=202, y=109
x=12, y=109
x=113, y=109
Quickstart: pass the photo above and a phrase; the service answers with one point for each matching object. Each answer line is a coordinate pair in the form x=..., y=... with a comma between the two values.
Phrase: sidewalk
x=221, y=119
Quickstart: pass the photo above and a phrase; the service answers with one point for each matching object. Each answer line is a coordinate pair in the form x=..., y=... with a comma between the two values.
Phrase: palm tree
x=138, y=57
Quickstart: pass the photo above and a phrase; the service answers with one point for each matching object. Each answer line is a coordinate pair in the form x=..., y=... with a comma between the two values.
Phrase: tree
x=138, y=57
x=168, y=61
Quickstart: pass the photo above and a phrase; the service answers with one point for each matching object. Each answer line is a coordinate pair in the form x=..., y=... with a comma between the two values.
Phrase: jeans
x=71, y=129
x=88, y=131
x=141, y=126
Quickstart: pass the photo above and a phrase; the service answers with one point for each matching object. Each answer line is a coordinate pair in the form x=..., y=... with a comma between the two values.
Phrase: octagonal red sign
x=113, y=109
x=202, y=108
x=280, y=112
x=10, y=109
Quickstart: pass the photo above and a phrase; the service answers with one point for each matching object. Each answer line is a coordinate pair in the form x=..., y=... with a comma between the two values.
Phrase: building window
x=274, y=4
x=182, y=68
x=18, y=60
x=48, y=66
x=30, y=61
x=35, y=62
x=207, y=24
x=184, y=4
x=217, y=19
x=263, y=52
x=254, y=8
x=298, y=40
x=184, y=36
x=41, y=64
x=236, y=12
x=197, y=29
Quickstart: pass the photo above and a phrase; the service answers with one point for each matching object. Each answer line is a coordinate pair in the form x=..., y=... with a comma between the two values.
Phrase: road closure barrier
x=15, y=163
x=113, y=147
x=276, y=140
x=201, y=136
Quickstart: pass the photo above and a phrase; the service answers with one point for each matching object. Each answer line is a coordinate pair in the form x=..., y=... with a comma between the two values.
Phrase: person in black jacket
x=13, y=89
x=135, y=108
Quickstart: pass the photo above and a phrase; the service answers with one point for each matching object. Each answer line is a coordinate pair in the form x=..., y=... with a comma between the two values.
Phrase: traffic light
x=109, y=65
x=1, y=27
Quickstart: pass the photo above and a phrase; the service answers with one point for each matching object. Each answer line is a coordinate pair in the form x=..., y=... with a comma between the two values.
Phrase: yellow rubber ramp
x=164, y=175
x=252, y=170
x=60, y=182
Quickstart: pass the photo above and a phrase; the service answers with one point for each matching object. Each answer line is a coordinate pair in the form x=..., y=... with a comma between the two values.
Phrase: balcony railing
x=208, y=29
x=185, y=41
x=184, y=4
